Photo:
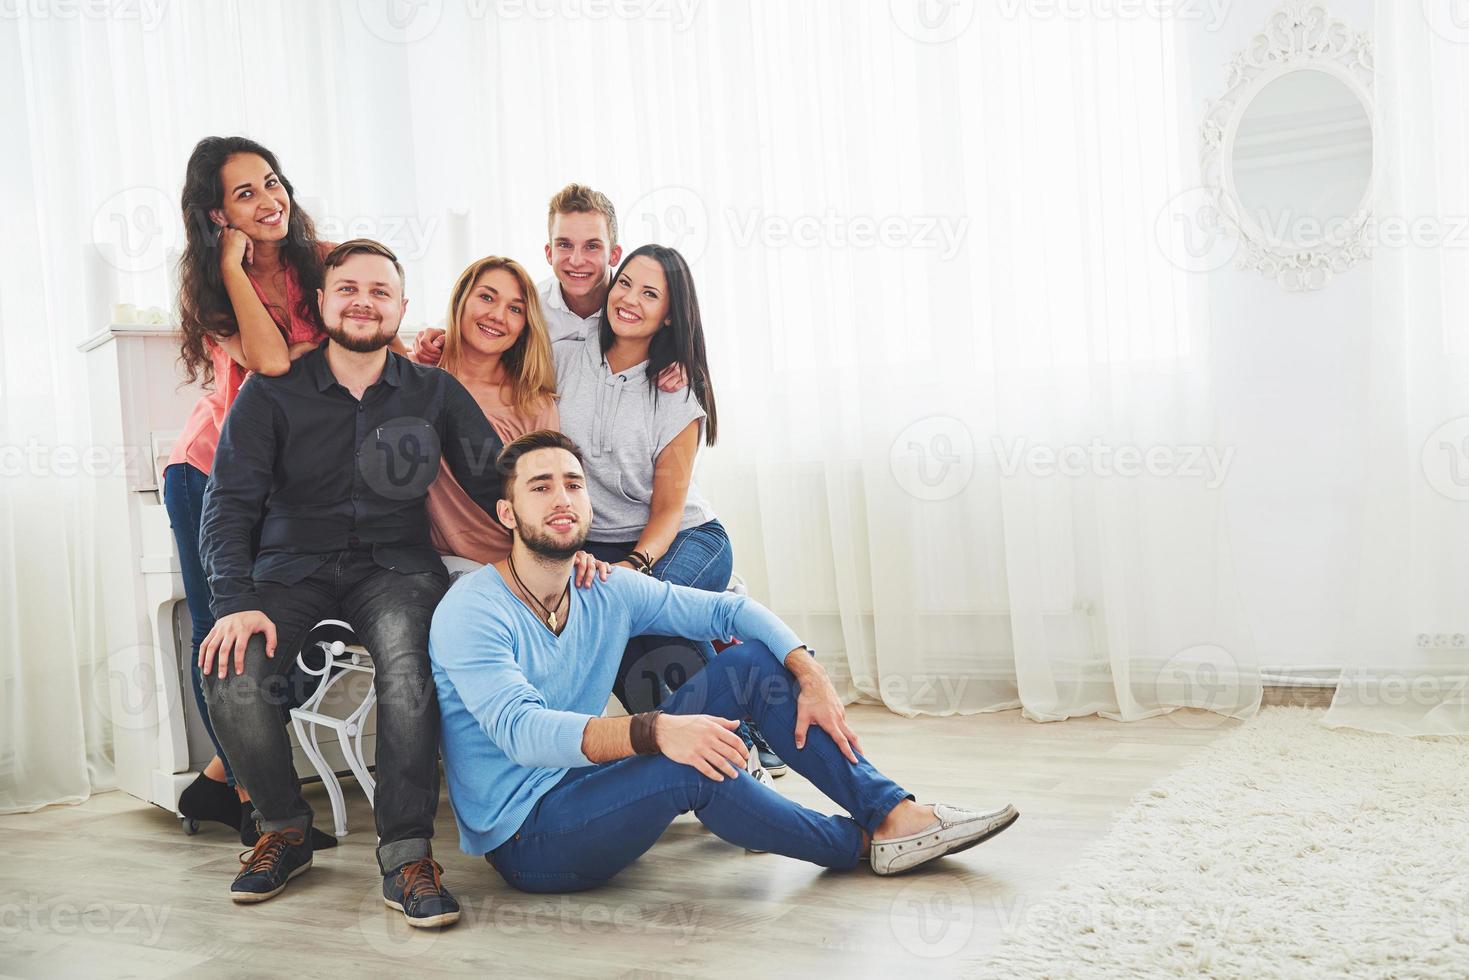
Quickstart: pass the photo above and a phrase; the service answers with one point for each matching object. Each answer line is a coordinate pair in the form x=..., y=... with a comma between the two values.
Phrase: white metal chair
x=341, y=659
x=342, y=656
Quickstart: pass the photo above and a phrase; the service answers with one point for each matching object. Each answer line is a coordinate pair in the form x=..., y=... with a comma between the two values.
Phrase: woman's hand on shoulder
x=428, y=346
x=673, y=378
x=588, y=569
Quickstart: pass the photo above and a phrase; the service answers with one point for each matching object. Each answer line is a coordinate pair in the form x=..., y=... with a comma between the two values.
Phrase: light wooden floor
x=113, y=887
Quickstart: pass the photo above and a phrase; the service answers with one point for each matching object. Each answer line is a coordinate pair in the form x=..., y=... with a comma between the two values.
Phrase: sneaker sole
x=997, y=829
x=428, y=922
x=776, y=771
x=252, y=898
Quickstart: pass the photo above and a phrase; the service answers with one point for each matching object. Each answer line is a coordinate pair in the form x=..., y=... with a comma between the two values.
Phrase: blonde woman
x=498, y=347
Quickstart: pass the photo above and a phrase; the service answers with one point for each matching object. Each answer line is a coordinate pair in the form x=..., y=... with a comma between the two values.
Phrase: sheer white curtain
x=54, y=743
x=934, y=262
x=899, y=409
x=922, y=249
x=1415, y=557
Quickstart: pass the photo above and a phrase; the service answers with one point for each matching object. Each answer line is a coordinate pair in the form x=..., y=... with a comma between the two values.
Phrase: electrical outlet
x=1441, y=641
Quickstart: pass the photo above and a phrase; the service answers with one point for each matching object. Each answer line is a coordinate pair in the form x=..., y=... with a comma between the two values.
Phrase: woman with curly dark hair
x=248, y=280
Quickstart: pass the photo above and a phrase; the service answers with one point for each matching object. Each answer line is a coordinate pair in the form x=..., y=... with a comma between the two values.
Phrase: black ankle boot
x=209, y=799
x=250, y=832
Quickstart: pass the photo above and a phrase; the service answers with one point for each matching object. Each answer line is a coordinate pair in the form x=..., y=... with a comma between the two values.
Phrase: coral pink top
x=197, y=443
x=457, y=525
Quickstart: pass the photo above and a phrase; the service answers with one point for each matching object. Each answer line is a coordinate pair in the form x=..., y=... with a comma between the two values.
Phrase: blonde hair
x=528, y=362
x=581, y=199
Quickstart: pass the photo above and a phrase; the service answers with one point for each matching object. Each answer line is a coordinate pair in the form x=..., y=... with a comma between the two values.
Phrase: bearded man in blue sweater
x=561, y=799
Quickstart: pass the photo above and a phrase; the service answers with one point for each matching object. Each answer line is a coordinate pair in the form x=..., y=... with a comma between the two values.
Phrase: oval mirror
x=1302, y=160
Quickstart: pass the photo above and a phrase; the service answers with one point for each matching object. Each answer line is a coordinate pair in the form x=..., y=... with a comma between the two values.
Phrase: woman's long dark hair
x=204, y=306
x=679, y=342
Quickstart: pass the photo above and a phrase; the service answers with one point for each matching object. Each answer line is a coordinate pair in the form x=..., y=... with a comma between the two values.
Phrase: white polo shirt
x=561, y=321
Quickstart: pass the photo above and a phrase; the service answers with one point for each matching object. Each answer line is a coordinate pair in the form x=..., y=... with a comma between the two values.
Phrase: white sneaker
x=958, y=829
x=761, y=774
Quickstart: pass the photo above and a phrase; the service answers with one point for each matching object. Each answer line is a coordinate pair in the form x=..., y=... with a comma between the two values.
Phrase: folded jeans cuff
x=393, y=855
x=301, y=822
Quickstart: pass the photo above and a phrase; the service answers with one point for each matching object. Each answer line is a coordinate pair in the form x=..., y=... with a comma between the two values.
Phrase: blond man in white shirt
x=582, y=250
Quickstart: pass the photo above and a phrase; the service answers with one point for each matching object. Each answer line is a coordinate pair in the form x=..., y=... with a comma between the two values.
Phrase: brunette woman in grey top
x=640, y=446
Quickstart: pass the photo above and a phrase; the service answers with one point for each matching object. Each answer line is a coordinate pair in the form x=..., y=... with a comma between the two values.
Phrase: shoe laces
x=268, y=850
x=421, y=878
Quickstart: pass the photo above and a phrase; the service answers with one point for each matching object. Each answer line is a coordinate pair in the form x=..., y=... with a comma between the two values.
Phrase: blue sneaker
x=417, y=890
x=769, y=761
x=278, y=856
x=772, y=763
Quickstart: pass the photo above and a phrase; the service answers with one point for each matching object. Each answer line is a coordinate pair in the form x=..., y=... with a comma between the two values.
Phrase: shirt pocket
x=399, y=459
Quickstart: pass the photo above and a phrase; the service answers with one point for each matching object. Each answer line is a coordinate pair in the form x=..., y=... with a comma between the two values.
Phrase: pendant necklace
x=548, y=614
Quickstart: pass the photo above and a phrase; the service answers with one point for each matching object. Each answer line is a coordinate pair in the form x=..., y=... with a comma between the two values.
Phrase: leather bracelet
x=641, y=560
x=644, y=732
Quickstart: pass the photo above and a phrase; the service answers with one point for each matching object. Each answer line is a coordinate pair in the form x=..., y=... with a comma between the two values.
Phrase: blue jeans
x=599, y=819
x=183, y=498
x=655, y=666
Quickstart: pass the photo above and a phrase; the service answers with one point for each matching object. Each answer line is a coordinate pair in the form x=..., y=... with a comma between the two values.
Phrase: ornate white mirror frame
x=1302, y=35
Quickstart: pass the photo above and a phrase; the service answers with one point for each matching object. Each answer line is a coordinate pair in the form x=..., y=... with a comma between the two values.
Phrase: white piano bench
x=342, y=659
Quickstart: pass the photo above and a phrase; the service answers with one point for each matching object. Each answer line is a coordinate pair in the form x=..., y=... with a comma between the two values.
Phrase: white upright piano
x=140, y=404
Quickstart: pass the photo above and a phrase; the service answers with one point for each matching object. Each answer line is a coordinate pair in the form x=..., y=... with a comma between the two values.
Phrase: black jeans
x=390, y=612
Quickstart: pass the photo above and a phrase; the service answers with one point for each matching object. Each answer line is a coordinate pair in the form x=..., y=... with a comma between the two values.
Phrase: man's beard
x=358, y=343
x=542, y=545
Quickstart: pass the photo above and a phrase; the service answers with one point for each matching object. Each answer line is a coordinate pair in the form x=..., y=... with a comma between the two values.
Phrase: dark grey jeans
x=390, y=612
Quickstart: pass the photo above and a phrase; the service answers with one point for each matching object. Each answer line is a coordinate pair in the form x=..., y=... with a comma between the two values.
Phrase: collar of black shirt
x=321, y=370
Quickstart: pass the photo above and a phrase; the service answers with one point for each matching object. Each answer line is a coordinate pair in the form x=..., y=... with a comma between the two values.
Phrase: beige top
x=457, y=525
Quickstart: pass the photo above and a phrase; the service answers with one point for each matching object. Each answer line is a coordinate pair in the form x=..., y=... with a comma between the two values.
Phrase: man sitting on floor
x=559, y=799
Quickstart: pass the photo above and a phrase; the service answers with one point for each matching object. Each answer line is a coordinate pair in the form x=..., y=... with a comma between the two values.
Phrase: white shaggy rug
x=1284, y=849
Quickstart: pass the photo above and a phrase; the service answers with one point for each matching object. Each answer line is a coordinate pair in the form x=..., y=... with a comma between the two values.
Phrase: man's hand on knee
x=820, y=705
x=706, y=742
x=229, y=639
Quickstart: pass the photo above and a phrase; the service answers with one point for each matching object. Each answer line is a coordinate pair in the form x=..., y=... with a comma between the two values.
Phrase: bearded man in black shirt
x=333, y=461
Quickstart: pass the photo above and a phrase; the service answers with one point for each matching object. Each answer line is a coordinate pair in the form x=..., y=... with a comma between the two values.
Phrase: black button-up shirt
x=329, y=473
